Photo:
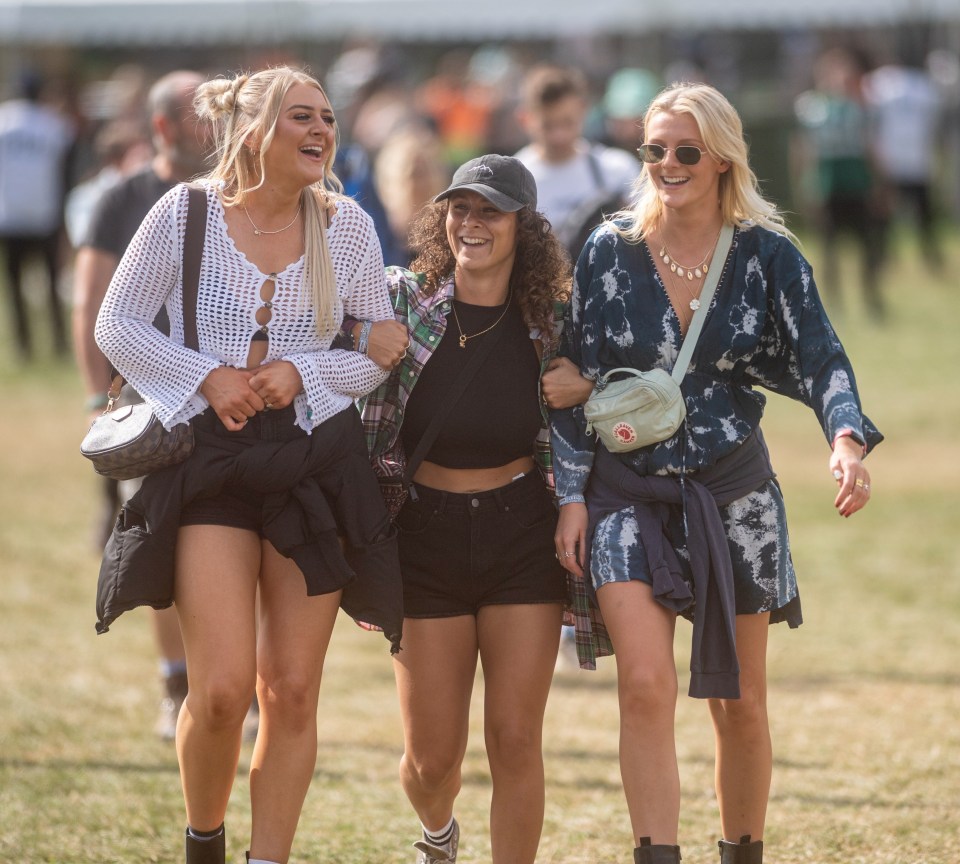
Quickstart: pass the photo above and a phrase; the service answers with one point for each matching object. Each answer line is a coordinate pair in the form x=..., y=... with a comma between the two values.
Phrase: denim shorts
x=237, y=506
x=460, y=552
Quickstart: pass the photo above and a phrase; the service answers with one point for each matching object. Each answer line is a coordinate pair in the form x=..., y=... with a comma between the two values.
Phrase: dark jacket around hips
x=316, y=488
x=613, y=486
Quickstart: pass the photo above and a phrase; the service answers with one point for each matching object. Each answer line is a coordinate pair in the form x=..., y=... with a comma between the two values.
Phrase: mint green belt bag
x=648, y=407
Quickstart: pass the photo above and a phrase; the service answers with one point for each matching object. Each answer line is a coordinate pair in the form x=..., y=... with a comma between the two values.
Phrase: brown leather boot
x=743, y=852
x=648, y=853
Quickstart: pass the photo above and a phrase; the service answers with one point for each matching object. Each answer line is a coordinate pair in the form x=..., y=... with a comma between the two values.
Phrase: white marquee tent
x=197, y=22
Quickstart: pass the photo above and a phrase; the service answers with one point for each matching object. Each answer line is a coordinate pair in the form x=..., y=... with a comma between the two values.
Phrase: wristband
x=364, y=336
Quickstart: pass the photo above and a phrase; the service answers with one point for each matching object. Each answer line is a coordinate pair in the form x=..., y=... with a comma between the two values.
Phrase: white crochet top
x=168, y=375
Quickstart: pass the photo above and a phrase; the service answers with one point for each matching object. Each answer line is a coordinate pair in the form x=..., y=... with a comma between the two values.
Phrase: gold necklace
x=464, y=337
x=259, y=231
x=691, y=273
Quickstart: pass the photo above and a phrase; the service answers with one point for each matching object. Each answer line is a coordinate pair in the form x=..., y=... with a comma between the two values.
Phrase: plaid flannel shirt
x=425, y=317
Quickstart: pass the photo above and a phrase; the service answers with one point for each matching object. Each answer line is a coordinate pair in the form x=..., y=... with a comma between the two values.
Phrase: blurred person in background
x=905, y=111
x=182, y=145
x=576, y=180
x=35, y=142
x=279, y=471
x=835, y=162
x=696, y=524
x=409, y=170
x=625, y=100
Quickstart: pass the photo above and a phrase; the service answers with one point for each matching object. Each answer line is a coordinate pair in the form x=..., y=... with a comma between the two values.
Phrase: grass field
x=865, y=697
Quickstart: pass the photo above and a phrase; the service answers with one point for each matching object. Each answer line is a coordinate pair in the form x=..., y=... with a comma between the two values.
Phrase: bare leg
x=292, y=643
x=215, y=593
x=744, y=751
x=518, y=650
x=435, y=672
x=166, y=633
x=642, y=633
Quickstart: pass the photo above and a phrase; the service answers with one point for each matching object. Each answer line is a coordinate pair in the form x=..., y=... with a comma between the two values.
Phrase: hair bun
x=218, y=98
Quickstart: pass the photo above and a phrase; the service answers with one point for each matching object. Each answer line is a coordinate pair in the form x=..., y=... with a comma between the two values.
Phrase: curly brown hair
x=542, y=271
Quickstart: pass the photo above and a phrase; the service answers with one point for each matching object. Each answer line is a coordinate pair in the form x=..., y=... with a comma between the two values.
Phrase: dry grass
x=864, y=697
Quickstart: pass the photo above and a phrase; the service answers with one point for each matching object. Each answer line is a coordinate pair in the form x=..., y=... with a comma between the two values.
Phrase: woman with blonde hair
x=280, y=467
x=695, y=524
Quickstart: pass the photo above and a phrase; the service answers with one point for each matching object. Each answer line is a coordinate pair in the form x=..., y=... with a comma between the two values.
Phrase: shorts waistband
x=500, y=499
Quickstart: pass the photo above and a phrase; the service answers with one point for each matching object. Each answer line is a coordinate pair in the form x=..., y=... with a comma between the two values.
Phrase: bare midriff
x=464, y=480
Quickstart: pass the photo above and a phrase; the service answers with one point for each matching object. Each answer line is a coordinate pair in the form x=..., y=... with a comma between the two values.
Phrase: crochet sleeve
x=161, y=369
x=362, y=290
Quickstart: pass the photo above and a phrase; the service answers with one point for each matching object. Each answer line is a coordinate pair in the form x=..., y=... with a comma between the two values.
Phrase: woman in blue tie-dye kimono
x=641, y=527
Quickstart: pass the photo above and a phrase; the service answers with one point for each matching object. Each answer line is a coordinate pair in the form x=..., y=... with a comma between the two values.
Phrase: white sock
x=440, y=837
x=259, y=861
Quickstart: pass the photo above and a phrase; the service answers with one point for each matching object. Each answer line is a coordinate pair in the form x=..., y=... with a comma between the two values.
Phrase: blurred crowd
x=867, y=148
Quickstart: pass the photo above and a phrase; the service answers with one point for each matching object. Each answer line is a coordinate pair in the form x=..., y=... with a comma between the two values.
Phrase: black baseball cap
x=504, y=181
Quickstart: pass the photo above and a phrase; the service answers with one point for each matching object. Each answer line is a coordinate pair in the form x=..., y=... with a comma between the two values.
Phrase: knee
x=647, y=694
x=513, y=745
x=432, y=770
x=220, y=704
x=289, y=700
x=744, y=715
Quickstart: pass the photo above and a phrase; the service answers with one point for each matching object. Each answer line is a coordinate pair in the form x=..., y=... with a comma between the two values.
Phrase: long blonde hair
x=247, y=107
x=741, y=202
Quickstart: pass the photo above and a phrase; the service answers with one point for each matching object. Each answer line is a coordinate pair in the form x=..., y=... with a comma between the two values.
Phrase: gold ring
x=569, y=554
x=859, y=482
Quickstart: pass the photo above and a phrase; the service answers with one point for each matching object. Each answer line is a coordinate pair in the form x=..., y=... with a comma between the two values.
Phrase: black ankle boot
x=647, y=853
x=743, y=852
x=212, y=851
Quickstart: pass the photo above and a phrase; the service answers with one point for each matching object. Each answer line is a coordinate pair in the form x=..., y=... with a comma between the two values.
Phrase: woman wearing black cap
x=476, y=523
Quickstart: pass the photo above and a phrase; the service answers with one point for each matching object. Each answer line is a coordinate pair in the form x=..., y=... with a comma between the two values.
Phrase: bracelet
x=364, y=336
x=96, y=401
x=571, y=499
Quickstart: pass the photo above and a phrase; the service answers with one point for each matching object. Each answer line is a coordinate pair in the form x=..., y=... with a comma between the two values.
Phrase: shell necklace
x=687, y=274
x=258, y=231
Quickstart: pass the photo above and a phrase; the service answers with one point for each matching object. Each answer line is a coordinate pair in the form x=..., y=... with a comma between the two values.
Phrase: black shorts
x=459, y=552
x=240, y=507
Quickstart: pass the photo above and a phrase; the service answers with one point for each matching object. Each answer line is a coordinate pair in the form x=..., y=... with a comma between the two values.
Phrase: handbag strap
x=706, y=296
x=484, y=350
x=194, y=235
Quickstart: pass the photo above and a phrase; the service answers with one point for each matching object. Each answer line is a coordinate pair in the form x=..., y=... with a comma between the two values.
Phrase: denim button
x=474, y=502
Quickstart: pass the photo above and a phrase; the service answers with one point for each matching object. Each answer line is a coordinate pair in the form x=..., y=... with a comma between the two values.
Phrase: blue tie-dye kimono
x=766, y=326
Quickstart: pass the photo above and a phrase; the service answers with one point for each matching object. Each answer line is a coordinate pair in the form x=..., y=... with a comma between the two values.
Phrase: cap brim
x=495, y=197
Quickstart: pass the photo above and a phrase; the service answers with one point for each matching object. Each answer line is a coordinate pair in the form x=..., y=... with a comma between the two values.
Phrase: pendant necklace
x=688, y=273
x=464, y=337
x=258, y=231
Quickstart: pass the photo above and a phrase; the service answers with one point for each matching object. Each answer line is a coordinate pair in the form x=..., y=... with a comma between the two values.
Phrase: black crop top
x=497, y=418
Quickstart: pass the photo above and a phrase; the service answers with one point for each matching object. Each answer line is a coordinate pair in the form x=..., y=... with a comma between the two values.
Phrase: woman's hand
x=846, y=464
x=562, y=385
x=570, y=537
x=276, y=383
x=230, y=395
x=387, y=343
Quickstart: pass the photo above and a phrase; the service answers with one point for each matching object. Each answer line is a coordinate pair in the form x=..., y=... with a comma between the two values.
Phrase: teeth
x=316, y=151
x=472, y=241
x=674, y=180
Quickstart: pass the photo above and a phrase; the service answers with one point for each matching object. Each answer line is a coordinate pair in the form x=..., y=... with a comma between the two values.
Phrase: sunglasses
x=686, y=154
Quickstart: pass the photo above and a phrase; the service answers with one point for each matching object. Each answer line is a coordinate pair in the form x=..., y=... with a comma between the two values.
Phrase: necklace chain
x=258, y=231
x=686, y=274
x=464, y=337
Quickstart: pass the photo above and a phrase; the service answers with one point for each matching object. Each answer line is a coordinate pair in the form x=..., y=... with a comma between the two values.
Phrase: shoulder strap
x=706, y=296
x=484, y=350
x=194, y=235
